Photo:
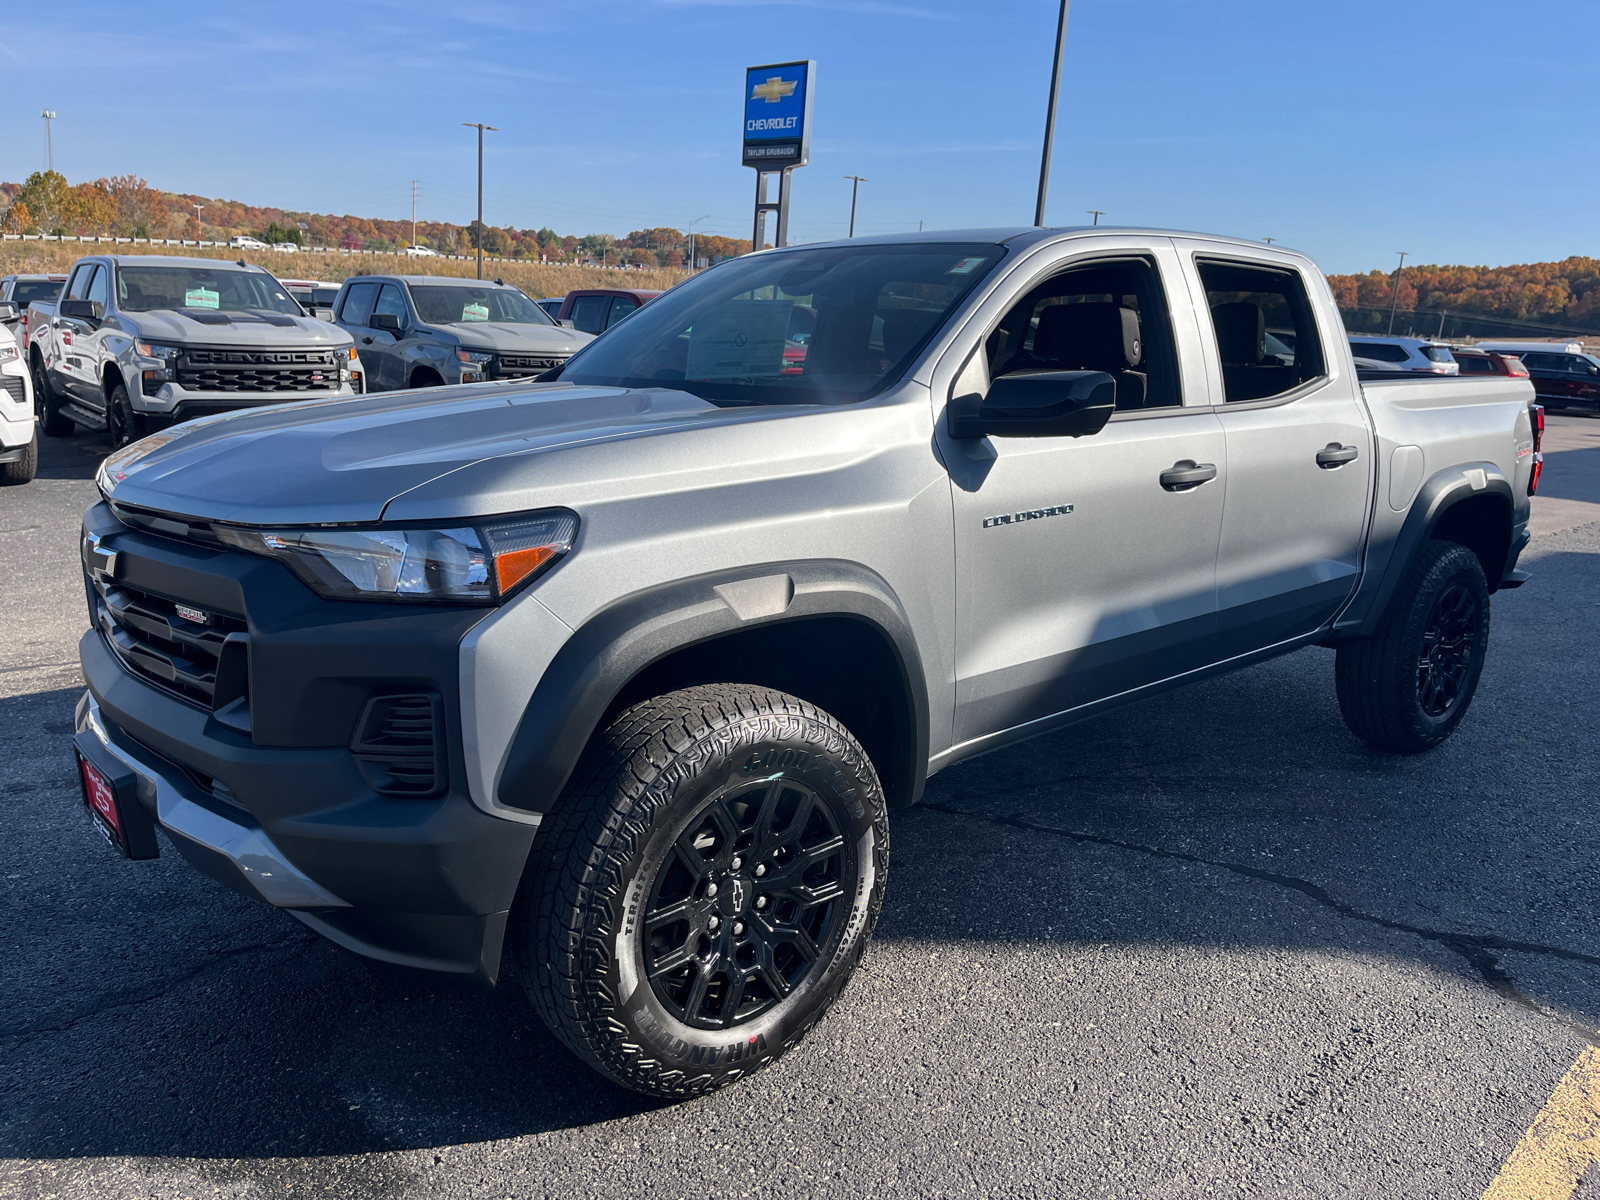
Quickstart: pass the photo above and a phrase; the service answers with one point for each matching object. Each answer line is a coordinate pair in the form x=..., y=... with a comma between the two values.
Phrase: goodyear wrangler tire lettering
x=705, y=889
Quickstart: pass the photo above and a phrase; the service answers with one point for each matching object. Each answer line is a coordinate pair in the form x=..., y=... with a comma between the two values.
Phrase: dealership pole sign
x=777, y=135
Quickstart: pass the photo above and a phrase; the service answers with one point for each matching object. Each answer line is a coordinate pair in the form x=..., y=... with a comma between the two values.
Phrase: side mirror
x=8, y=311
x=388, y=322
x=1036, y=404
x=81, y=310
x=569, y=323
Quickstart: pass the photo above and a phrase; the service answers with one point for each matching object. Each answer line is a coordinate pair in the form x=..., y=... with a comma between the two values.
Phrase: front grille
x=13, y=384
x=173, y=650
x=258, y=370
x=511, y=366
x=398, y=745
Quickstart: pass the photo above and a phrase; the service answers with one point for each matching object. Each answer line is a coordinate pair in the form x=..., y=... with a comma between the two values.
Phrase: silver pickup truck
x=624, y=670
x=137, y=343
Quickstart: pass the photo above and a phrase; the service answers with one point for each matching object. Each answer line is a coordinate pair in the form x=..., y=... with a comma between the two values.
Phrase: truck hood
x=346, y=460
x=524, y=339
x=251, y=330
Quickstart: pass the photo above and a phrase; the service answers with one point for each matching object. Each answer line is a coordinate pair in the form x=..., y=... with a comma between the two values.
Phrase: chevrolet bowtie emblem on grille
x=776, y=88
x=102, y=564
x=1031, y=514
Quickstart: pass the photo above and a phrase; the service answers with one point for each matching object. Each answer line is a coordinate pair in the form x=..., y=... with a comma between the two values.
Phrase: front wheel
x=25, y=468
x=123, y=424
x=1407, y=687
x=706, y=888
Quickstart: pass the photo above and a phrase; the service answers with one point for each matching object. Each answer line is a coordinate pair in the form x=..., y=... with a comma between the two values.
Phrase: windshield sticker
x=964, y=267
x=200, y=297
x=739, y=339
x=475, y=312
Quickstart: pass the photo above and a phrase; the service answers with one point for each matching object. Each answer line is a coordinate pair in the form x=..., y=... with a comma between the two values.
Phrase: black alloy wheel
x=48, y=404
x=740, y=908
x=1448, y=641
x=123, y=425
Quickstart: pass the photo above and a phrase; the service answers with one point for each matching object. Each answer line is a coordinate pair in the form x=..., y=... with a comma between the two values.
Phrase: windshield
x=26, y=291
x=825, y=326
x=447, y=305
x=214, y=289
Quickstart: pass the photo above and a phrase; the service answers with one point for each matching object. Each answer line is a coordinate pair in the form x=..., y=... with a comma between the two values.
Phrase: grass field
x=536, y=279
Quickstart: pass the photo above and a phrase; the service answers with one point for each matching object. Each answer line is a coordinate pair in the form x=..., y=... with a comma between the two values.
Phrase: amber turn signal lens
x=513, y=566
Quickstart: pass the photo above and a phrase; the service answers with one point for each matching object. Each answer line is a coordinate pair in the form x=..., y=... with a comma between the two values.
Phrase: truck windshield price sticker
x=776, y=101
x=201, y=298
x=475, y=312
x=739, y=339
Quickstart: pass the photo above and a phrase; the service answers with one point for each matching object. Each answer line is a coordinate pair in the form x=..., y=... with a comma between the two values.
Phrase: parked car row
x=1563, y=373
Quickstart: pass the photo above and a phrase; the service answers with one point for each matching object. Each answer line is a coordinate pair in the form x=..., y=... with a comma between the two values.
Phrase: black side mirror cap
x=388, y=322
x=81, y=310
x=1036, y=404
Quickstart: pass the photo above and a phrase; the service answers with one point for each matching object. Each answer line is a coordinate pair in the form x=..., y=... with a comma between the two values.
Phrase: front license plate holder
x=107, y=788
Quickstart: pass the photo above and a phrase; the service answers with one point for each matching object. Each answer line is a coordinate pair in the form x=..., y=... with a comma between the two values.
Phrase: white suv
x=19, y=432
x=1406, y=354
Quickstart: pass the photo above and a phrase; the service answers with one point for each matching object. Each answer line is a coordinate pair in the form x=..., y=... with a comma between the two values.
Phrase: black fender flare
x=605, y=653
x=1438, y=494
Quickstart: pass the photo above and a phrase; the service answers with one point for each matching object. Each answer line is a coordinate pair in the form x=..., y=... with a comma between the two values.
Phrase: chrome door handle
x=1186, y=475
x=1335, y=455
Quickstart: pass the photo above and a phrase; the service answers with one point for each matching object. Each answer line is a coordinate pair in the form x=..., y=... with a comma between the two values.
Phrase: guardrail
x=122, y=241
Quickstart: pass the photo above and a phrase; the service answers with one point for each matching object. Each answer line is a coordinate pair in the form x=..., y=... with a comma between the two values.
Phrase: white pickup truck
x=135, y=344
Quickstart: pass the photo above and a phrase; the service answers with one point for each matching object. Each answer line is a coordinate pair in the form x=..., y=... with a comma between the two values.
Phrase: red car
x=595, y=310
x=1489, y=362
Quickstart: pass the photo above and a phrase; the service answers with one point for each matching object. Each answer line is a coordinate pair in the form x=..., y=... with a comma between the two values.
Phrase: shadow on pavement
x=75, y=457
x=152, y=1012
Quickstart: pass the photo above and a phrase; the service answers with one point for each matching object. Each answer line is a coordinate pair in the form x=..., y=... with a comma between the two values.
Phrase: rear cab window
x=1243, y=301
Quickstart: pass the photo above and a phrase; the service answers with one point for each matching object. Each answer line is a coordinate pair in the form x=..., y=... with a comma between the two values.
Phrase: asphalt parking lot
x=1206, y=945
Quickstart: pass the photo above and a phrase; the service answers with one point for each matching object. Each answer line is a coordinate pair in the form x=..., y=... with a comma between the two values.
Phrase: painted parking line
x=1564, y=1139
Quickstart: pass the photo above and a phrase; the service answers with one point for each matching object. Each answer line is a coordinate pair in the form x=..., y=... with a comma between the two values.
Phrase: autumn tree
x=45, y=194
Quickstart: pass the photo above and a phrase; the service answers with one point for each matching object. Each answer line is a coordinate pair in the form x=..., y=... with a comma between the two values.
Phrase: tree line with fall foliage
x=127, y=206
x=1565, y=293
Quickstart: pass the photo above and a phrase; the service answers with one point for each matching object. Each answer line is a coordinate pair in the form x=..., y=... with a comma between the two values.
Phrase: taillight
x=1536, y=415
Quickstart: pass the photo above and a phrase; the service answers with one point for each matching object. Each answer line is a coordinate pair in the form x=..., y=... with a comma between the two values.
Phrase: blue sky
x=1458, y=132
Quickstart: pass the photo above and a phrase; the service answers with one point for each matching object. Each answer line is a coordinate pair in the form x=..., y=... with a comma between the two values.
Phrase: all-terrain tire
x=628, y=952
x=56, y=423
x=26, y=467
x=1407, y=687
x=123, y=425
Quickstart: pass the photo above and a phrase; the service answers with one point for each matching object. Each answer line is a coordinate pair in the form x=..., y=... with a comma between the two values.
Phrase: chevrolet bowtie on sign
x=777, y=115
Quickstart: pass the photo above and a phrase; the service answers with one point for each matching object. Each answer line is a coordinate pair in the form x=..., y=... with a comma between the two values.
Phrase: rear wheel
x=705, y=889
x=1407, y=687
x=123, y=424
x=56, y=423
x=26, y=467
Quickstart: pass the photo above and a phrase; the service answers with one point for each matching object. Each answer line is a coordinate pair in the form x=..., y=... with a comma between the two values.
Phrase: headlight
x=8, y=350
x=481, y=563
x=152, y=350
x=475, y=356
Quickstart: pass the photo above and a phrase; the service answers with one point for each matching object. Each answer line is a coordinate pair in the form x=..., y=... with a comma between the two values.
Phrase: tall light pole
x=480, y=127
x=1096, y=213
x=1394, y=303
x=414, y=214
x=1050, y=115
x=690, y=231
x=199, y=229
x=49, y=115
x=855, y=185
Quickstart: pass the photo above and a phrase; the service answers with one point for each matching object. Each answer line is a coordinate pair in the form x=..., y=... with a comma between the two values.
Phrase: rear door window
x=1542, y=362
x=621, y=307
x=1243, y=301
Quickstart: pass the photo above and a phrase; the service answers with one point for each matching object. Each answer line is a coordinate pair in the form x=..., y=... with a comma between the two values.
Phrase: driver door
x=1084, y=568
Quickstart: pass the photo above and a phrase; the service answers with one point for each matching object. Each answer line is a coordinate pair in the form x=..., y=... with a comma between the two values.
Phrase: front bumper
x=174, y=404
x=278, y=805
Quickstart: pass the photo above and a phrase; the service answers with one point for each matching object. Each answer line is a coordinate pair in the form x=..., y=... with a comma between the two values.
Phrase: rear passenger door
x=1085, y=567
x=1300, y=449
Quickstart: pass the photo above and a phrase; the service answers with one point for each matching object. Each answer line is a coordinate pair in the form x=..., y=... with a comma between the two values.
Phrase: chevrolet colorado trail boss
x=623, y=669
x=138, y=343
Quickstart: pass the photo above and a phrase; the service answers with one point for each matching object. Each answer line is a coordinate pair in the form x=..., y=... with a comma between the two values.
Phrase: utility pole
x=692, y=224
x=855, y=186
x=1394, y=303
x=1096, y=213
x=480, y=127
x=49, y=115
x=1269, y=241
x=413, y=212
x=199, y=229
x=1050, y=116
